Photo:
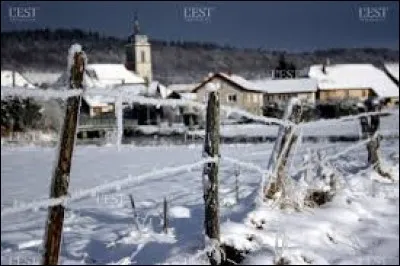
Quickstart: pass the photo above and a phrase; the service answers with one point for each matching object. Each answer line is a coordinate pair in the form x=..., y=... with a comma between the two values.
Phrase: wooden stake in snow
x=165, y=213
x=134, y=213
x=60, y=181
x=283, y=145
x=237, y=173
x=210, y=174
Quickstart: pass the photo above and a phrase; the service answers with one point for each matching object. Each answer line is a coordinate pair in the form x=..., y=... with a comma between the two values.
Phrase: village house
x=182, y=88
x=105, y=76
x=353, y=81
x=234, y=91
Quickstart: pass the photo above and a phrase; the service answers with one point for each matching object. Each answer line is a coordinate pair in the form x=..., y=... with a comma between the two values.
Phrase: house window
x=143, y=56
x=232, y=98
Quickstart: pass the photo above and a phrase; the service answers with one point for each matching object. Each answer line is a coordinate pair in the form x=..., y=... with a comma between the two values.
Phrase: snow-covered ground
x=359, y=226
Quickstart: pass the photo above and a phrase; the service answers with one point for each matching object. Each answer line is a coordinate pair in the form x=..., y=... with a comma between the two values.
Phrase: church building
x=138, y=53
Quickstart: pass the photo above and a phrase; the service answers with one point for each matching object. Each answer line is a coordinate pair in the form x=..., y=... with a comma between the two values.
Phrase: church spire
x=136, y=28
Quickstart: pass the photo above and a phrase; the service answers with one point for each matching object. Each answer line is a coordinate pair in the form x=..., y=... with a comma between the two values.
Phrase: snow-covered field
x=359, y=226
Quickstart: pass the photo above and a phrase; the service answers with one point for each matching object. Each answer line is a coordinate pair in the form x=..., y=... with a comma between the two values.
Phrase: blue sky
x=294, y=26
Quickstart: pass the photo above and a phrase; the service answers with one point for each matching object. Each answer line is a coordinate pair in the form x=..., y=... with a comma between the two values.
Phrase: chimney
x=327, y=63
x=229, y=72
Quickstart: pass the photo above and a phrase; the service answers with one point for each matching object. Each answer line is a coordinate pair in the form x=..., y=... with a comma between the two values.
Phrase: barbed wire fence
x=119, y=96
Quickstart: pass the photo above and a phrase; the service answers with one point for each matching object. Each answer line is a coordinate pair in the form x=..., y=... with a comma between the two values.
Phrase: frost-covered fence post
x=369, y=129
x=210, y=173
x=165, y=214
x=134, y=213
x=237, y=173
x=211, y=149
x=60, y=181
x=283, y=145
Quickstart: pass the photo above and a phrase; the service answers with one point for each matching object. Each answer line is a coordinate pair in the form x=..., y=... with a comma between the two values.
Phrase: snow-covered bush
x=313, y=186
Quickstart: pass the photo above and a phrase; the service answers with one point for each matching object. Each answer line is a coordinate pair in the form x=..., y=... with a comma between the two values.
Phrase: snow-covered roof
x=20, y=81
x=352, y=76
x=235, y=79
x=105, y=76
x=103, y=100
x=41, y=77
x=269, y=85
x=286, y=85
x=113, y=74
x=244, y=83
x=393, y=69
x=183, y=87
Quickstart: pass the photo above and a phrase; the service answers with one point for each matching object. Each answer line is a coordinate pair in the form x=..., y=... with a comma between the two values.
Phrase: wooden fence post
x=134, y=213
x=237, y=173
x=284, y=143
x=60, y=180
x=210, y=174
x=369, y=129
x=165, y=213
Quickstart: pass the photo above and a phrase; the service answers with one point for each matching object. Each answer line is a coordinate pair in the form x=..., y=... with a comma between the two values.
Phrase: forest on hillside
x=173, y=61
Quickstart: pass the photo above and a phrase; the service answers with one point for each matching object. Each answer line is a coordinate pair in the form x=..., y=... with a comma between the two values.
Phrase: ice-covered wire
x=102, y=188
x=248, y=165
x=128, y=96
x=22, y=92
x=346, y=118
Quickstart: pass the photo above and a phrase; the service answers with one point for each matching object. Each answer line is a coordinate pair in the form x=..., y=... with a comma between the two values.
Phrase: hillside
x=173, y=62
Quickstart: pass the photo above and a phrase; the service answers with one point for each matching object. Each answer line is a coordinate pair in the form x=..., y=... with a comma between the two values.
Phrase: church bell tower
x=138, y=53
